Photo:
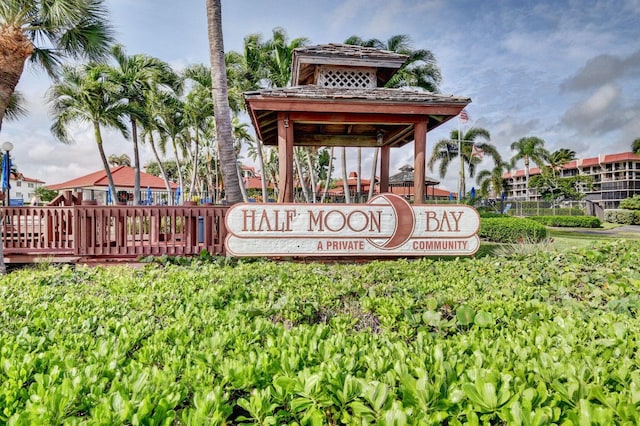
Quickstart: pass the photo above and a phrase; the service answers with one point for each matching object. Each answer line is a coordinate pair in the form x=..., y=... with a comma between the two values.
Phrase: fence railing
x=113, y=231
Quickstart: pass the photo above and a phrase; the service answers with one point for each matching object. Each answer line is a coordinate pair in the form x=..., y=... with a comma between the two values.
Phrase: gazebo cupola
x=344, y=66
x=337, y=98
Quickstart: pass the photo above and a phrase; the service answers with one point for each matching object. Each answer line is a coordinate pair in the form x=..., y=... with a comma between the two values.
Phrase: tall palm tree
x=446, y=150
x=85, y=95
x=420, y=71
x=635, y=146
x=198, y=113
x=530, y=148
x=559, y=158
x=135, y=76
x=221, y=103
x=48, y=32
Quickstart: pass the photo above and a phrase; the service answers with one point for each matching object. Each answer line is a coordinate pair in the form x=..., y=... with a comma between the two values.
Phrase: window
x=19, y=183
x=30, y=185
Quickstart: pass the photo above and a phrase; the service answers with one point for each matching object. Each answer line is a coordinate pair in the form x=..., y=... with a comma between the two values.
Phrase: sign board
x=386, y=226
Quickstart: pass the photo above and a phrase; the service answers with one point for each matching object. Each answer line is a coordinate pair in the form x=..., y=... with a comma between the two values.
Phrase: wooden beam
x=384, y=168
x=285, y=154
x=336, y=140
x=349, y=106
x=420, y=146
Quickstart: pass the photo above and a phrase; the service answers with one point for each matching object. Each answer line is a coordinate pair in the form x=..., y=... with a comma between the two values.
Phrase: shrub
x=568, y=221
x=632, y=203
x=622, y=216
x=511, y=230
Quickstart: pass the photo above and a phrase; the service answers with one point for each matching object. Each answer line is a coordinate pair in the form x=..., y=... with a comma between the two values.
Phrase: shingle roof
x=379, y=94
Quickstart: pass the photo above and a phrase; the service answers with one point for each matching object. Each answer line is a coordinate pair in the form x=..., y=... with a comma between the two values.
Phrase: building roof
x=580, y=162
x=123, y=177
x=405, y=177
x=330, y=116
x=24, y=178
x=305, y=60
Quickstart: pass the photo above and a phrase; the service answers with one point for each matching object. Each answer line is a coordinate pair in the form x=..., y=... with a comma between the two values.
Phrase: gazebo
x=403, y=183
x=337, y=98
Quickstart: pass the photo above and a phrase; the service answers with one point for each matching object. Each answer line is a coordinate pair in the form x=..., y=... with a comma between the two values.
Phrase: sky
x=566, y=71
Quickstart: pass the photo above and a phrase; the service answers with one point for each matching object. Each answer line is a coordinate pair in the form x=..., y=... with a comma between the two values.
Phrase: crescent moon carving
x=405, y=221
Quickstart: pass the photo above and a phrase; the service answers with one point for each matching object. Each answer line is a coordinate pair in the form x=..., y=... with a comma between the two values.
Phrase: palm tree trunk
x=178, y=167
x=15, y=48
x=103, y=157
x=345, y=183
x=300, y=177
x=312, y=178
x=526, y=177
x=194, y=174
x=136, y=163
x=263, y=177
x=374, y=168
x=163, y=172
x=222, y=112
x=243, y=190
x=330, y=167
x=358, y=175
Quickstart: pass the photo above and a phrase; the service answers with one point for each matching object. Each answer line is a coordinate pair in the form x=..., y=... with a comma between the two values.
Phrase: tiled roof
x=584, y=162
x=123, y=177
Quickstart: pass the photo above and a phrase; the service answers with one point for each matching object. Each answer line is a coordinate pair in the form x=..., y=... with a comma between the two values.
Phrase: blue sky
x=567, y=71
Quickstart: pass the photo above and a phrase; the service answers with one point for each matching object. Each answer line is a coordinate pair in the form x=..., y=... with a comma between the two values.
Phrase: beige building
x=615, y=177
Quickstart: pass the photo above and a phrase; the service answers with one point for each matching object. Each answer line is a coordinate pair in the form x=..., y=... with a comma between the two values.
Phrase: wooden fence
x=84, y=232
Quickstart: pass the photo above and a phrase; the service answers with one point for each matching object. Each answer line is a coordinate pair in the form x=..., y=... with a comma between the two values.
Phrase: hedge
x=511, y=230
x=622, y=216
x=568, y=221
x=632, y=203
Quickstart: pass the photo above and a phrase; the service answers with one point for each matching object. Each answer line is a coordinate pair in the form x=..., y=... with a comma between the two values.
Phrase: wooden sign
x=386, y=226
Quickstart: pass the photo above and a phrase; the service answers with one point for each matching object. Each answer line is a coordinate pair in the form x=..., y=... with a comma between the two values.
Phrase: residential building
x=23, y=189
x=615, y=177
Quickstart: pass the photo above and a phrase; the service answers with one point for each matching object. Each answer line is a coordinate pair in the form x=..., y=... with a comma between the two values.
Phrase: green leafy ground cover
x=548, y=338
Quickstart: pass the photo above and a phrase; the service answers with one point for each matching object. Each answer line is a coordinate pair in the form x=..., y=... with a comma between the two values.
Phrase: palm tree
x=221, y=103
x=85, y=95
x=48, y=32
x=446, y=150
x=491, y=182
x=635, y=146
x=559, y=158
x=420, y=69
x=530, y=148
x=119, y=160
x=135, y=76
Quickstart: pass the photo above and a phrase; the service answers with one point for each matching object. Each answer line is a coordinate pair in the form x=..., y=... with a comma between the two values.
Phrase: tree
x=492, y=183
x=48, y=32
x=221, y=103
x=446, y=150
x=558, y=158
x=552, y=187
x=530, y=148
x=635, y=146
x=119, y=160
x=420, y=70
x=135, y=76
x=85, y=95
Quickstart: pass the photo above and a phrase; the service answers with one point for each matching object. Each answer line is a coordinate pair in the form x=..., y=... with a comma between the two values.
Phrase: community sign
x=386, y=226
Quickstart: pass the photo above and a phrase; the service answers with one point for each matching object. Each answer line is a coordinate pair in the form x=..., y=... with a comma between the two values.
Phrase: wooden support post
x=420, y=146
x=384, y=168
x=285, y=154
